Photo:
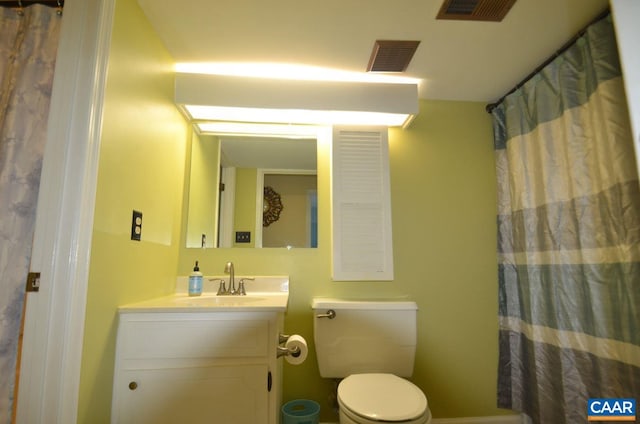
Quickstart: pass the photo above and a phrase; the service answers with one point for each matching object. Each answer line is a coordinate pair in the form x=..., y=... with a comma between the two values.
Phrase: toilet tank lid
x=391, y=304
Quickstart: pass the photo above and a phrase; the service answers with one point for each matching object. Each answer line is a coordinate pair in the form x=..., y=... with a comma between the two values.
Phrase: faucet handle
x=241, y=290
x=222, y=289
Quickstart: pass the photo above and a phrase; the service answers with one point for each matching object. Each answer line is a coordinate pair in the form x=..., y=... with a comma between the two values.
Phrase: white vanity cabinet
x=197, y=367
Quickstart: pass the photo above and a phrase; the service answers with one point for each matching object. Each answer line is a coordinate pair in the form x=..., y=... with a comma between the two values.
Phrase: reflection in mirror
x=228, y=180
x=290, y=209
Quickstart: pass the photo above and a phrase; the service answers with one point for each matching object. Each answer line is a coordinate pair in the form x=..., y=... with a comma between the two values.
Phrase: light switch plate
x=243, y=236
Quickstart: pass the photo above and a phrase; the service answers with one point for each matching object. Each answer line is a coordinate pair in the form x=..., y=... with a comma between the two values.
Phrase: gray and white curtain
x=568, y=236
x=28, y=45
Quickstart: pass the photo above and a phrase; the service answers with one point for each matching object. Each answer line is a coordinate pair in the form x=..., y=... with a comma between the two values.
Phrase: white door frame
x=54, y=321
x=224, y=226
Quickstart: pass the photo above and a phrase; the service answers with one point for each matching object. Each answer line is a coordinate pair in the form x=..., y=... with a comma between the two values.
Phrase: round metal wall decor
x=272, y=206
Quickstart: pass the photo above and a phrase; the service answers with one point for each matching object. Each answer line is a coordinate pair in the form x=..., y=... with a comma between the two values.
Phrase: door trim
x=54, y=318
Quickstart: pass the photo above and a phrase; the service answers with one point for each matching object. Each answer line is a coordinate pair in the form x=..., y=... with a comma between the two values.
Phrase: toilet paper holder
x=284, y=351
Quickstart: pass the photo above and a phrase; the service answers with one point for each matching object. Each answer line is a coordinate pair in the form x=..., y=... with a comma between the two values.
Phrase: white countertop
x=264, y=294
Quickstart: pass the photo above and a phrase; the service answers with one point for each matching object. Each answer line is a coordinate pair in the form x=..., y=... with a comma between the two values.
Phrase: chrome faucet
x=228, y=269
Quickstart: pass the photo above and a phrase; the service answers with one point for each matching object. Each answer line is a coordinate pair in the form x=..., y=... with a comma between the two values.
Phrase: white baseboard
x=501, y=419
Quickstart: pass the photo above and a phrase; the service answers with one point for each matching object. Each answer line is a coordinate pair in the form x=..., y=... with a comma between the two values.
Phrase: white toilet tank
x=364, y=337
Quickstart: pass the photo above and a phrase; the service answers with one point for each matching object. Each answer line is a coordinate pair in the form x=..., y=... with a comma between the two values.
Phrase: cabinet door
x=361, y=211
x=233, y=394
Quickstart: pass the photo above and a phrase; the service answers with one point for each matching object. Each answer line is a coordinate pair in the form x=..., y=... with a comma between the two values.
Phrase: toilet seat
x=382, y=398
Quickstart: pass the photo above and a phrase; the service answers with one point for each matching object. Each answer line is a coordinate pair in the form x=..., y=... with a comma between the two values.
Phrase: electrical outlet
x=243, y=237
x=136, y=225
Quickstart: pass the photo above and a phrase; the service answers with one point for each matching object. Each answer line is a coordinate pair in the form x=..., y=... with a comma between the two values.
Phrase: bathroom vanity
x=207, y=359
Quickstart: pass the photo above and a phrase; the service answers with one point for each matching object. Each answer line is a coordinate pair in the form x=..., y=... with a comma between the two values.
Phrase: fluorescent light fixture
x=288, y=71
x=315, y=102
x=294, y=116
x=265, y=130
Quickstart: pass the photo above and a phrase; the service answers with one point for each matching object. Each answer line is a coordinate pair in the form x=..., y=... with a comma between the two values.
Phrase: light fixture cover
x=217, y=97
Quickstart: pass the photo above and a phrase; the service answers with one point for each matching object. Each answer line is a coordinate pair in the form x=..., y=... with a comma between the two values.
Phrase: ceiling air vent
x=475, y=10
x=391, y=55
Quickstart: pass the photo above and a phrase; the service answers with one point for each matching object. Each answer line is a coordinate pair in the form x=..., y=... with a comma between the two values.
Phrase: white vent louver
x=362, y=246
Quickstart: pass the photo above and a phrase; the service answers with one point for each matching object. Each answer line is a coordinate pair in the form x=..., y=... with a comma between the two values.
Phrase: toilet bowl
x=381, y=398
x=370, y=345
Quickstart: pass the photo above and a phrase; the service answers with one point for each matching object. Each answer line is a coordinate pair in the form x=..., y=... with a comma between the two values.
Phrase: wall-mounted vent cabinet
x=361, y=205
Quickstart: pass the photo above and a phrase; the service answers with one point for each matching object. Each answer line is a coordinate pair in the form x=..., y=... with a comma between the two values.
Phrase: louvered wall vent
x=475, y=10
x=391, y=55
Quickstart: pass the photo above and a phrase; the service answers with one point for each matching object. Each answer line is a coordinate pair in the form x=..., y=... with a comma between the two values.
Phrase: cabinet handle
x=133, y=385
x=269, y=381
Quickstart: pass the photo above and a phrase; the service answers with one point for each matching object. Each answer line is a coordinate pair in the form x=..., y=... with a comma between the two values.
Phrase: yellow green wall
x=203, y=190
x=244, y=218
x=443, y=202
x=142, y=160
x=444, y=237
x=444, y=232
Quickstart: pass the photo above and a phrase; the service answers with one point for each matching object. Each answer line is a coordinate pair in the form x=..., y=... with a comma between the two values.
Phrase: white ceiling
x=456, y=60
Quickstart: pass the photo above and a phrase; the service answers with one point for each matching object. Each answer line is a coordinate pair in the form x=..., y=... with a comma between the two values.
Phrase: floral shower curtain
x=28, y=45
x=568, y=236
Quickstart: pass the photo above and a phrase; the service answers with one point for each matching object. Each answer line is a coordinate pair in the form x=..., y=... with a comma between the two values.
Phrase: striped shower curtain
x=568, y=236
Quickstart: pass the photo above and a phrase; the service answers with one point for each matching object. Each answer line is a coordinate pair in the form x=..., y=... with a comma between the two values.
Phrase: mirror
x=252, y=191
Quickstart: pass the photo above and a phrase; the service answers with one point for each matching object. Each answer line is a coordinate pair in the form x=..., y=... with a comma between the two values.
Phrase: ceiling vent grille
x=475, y=10
x=391, y=55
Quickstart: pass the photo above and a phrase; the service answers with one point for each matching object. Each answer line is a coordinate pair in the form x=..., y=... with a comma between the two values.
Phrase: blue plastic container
x=300, y=411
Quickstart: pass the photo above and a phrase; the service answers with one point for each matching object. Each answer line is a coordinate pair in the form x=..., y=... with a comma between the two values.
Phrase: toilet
x=371, y=346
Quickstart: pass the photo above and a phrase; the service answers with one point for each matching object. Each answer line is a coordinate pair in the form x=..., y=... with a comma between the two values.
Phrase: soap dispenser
x=195, y=281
